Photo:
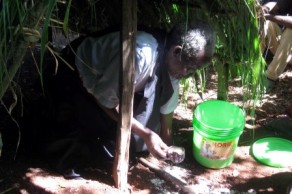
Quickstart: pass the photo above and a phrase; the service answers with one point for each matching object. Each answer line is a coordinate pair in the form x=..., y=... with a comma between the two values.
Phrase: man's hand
x=156, y=146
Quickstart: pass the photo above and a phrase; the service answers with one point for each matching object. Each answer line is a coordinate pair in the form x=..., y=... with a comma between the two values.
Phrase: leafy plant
x=25, y=23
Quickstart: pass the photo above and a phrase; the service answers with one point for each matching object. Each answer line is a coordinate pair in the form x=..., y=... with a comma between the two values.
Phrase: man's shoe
x=71, y=174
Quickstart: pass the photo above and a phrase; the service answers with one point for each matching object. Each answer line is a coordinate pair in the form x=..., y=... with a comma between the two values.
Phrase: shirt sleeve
x=98, y=63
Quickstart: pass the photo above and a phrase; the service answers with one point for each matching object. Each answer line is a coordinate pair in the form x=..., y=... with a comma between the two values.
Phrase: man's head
x=189, y=47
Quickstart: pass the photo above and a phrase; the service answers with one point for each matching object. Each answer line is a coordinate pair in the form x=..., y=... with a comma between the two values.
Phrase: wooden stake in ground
x=183, y=185
x=128, y=33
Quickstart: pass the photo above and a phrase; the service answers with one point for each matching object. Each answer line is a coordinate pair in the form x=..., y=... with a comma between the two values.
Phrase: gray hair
x=194, y=37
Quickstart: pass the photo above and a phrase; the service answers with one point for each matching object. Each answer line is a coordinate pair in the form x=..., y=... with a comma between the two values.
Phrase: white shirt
x=98, y=61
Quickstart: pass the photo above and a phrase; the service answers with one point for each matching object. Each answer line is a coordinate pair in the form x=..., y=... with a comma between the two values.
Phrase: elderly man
x=84, y=102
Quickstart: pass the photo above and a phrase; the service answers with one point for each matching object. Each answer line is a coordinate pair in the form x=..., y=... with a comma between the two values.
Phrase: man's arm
x=166, y=128
x=154, y=143
x=285, y=21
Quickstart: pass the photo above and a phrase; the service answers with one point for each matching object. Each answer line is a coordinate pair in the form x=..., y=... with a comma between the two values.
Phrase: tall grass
x=238, y=48
x=237, y=52
x=21, y=26
x=24, y=23
x=235, y=23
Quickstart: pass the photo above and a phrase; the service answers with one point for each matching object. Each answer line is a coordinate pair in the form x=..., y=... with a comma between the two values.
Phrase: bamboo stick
x=120, y=169
x=183, y=185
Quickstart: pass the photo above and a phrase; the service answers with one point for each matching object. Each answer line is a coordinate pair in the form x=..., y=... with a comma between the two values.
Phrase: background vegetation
x=26, y=24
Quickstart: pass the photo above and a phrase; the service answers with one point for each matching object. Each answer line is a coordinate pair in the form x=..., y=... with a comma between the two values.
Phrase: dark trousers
x=77, y=130
x=73, y=129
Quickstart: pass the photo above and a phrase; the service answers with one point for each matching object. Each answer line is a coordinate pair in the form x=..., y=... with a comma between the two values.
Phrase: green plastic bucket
x=217, y=127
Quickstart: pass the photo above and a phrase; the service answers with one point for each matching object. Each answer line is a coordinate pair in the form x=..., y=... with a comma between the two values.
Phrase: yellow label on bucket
x=217, y=150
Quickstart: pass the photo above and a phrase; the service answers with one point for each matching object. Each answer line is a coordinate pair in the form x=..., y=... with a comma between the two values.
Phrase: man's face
x=180, y=68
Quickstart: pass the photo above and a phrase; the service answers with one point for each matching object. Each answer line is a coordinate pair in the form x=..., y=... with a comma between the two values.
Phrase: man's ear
x=177, y=51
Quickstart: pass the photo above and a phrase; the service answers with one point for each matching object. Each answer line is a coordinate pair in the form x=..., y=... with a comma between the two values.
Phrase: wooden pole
x=128, y=38
x=180, y=183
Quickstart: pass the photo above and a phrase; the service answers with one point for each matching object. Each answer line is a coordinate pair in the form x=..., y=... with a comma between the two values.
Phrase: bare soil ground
x=27, y=173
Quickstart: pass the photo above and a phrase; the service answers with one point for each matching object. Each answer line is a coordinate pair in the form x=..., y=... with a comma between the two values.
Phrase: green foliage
x=11, y=17
x=25, y=23
x=66, y=19
x=237, y=26
x=234, y=21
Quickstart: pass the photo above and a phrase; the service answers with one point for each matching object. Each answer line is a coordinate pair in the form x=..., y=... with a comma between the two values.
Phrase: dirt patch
x=28, y=173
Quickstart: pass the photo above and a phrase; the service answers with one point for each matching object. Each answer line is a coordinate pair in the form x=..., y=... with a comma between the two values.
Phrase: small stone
x=252, y=191
x=235, y=173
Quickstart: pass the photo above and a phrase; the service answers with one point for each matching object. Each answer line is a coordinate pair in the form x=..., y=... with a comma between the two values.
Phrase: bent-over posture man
x=83, y=102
